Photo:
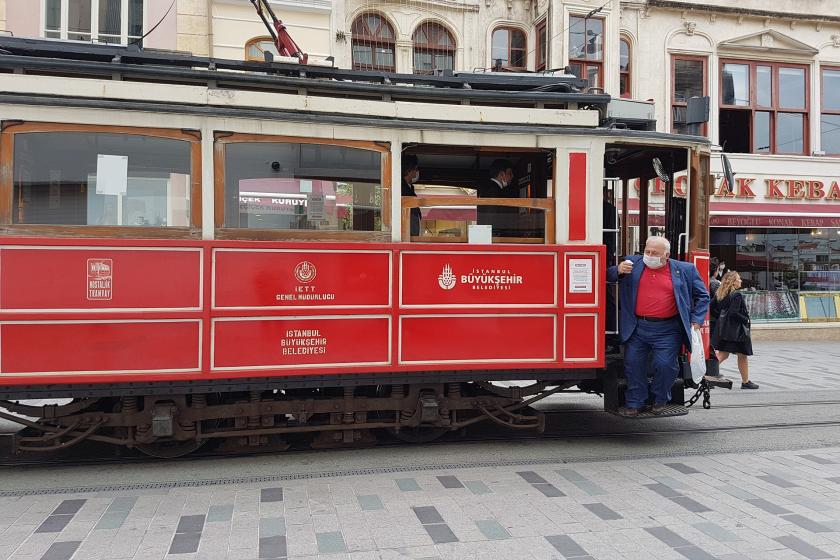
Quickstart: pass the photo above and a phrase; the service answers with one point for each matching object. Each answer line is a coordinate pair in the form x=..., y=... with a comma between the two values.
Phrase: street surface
x=755, y=477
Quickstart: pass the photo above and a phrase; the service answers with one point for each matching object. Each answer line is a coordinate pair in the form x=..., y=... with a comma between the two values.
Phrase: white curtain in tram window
x=178, y=198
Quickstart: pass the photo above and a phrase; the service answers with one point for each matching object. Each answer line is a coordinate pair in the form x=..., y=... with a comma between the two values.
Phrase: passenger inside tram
x=454, y=178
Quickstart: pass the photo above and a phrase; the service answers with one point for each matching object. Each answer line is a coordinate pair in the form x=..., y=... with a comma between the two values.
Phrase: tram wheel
x=417, y=434
x=170, y=449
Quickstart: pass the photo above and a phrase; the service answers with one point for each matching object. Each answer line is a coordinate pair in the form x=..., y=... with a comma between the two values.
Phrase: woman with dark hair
x=731, y=334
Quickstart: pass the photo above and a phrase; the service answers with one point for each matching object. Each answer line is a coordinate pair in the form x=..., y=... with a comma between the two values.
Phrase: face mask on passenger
x=653, y=262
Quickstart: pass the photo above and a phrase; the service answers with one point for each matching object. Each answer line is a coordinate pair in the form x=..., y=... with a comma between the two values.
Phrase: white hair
x=661, y=240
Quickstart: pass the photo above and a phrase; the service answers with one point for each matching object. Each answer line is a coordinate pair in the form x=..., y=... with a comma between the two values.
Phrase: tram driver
x=499, y=185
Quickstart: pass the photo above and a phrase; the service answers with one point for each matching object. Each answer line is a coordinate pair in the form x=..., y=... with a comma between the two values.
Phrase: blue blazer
x=690, y=293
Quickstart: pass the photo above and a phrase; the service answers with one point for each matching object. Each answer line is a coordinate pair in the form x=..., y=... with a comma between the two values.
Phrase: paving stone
x=184, y=543
x=549, y=490
x=407, y=484
x=690, y=505
x=477, y=487
x=716, y=531
x=667, y=536
x=450, y=481
x=491, y=529
x=695, y=553
x=767, y=506
x=663, y=490
x=370, y=502
x=602, y=511
x=61, y=550
x=71, y=507
x=532, y=477
x=567, y=546
x=802, y=547
x=272, y=527
x=273, y=547
x=778, y=481
x=220, y=513
x=806, y=523
x=330, y=543
x=440, y=533
x=427, y=515
x=54, y=524
x=683, y=468
x=190, y=524
x=817, y=459
x=271, y=495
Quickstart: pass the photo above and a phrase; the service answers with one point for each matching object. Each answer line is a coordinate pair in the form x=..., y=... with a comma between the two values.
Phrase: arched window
x=373, y=43
x=256, y=48
x=434, y=48
x=625, y=67
x=509, y=49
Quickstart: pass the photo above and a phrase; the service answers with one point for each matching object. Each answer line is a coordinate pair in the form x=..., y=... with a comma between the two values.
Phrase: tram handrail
x=546, y=204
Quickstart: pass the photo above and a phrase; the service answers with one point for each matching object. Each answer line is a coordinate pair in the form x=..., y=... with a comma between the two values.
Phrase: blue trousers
x=663, y=339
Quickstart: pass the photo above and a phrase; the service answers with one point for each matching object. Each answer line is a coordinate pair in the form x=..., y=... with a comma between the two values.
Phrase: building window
x=763, y=107
x=373, y=43
x=256, y=48
x=624, y=68
x=830, y=118
x=85, y=175
x=509, y=49
x=434, y=48
x=542, y=46
x=688, y=80
x=586, y=49
x=103, y=21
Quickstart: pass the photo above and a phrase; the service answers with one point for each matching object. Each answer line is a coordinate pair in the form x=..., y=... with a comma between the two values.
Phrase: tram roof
x=45, y=55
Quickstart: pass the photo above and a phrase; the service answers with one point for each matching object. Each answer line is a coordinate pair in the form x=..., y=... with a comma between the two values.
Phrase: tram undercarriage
x=169, y=426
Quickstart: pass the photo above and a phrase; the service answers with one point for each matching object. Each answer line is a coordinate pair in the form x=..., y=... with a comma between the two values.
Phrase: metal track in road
x=104, y=455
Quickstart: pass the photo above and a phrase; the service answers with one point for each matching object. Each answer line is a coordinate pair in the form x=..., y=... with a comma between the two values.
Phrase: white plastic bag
x=698, y=356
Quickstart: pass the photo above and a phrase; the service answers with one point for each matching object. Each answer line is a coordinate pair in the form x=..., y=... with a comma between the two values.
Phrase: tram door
x=676, y=209
x=614, y=242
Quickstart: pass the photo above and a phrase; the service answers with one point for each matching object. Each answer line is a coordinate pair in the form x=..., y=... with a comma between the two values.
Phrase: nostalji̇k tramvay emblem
x=305, y=272
x=447, y=279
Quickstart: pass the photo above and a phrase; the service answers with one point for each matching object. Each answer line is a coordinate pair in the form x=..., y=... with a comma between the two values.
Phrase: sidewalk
x=790, y=366
x=767, y=506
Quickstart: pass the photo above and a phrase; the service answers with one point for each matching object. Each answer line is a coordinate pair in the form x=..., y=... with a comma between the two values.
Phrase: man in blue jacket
x=661, y=301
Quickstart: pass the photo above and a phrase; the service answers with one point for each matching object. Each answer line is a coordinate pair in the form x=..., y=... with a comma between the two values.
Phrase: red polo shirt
x=655, y=297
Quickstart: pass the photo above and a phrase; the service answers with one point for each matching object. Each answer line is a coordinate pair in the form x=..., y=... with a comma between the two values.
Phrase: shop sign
x=748, y=188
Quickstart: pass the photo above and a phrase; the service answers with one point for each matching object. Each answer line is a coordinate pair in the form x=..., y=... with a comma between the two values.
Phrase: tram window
x=101, y=179
x=302, y=186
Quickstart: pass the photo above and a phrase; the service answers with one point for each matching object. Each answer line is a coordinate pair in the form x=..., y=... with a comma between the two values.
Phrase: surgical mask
x=416, y=177
x=653, y=262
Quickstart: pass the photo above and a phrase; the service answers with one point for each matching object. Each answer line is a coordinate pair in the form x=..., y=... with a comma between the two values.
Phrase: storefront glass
x=788, y=274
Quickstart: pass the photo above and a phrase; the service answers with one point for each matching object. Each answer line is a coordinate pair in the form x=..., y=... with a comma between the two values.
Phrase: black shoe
x=629, y=412
x=658, y=408
x=749, y=385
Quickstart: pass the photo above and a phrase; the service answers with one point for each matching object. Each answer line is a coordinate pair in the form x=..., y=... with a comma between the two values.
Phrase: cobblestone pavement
x=766, y=505
x=775, y=505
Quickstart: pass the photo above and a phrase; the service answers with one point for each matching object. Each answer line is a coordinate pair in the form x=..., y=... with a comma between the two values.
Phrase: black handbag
x=730, y=329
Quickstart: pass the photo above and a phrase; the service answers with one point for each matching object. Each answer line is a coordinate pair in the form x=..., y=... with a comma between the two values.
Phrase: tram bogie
x=238, y=265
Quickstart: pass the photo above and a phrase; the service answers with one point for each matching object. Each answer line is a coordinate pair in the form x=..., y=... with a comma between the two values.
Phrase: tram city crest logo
x=305, y=272
x=447, y=279
x=100, y=275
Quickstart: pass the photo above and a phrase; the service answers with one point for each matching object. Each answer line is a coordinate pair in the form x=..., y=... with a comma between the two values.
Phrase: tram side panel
x=112, y=311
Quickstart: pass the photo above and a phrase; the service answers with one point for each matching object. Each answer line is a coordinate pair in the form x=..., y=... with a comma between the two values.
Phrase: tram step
x=718, y=381
x=670, y=410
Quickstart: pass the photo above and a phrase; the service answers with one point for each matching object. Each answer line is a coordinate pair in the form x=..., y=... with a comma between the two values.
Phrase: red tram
x=199, y=249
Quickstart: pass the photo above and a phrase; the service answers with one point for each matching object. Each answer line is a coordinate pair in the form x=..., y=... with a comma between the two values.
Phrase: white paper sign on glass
x=111, y=174
x=314, y=207
x=580, y=276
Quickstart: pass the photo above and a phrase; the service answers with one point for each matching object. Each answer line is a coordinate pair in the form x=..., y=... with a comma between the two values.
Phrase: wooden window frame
x=9, y=129
x=626, y=73
x=823, y=110
x=542, y=53
x=254, y=40
x=773, y=109
x=510, y=29
x=433, y=49
x=674, y=102
x=374, y=42
x=586, y=63
x=222, y=139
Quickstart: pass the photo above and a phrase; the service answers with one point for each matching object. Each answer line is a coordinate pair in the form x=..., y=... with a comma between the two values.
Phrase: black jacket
x=408, y=190
x=502, y=218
